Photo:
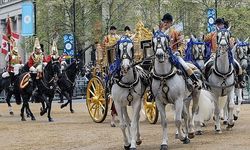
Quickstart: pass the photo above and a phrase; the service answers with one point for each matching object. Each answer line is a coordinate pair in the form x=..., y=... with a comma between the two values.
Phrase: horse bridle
x=201, y=54
x=125, y=54
x=244, y=51
x=223, y=32
x=158, y=35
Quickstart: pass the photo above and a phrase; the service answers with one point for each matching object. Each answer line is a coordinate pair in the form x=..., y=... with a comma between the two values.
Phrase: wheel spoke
x=93, y=86
x=92, y=92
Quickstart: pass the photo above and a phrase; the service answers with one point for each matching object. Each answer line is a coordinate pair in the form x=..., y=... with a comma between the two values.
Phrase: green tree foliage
x=94, y=17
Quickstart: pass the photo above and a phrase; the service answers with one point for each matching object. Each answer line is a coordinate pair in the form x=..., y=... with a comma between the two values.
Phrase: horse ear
x=246, y=40
x=193, y=38
x=229, y=28
x=238, y=41
x=217, y=28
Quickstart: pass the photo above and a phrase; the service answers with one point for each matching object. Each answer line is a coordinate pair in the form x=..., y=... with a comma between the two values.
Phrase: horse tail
x=206, y=106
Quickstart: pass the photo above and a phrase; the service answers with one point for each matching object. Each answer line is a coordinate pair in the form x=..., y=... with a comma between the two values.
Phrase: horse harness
x=163, y=80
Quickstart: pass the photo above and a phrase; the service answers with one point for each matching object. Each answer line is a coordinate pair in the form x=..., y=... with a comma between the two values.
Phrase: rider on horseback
x=211, y=37
x=35, y=61
x=14, y=63
x=176, y=40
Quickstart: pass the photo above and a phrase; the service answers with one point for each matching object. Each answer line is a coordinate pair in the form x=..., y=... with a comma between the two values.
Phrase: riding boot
x=241, y=81
x=195, y=81
x=11, y=81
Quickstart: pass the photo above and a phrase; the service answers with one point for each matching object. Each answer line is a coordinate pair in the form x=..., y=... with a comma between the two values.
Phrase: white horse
x=196, y=52
x=205, y=110
x=221, y=79
x=128, y=90
x=169, y=86
x=240, y=51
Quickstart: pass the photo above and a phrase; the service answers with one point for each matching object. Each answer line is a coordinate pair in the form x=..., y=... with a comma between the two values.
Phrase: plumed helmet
x=37, y=45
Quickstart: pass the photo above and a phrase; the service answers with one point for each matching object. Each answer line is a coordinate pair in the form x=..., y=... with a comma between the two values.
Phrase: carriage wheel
x=150, y=108
x=96, y=100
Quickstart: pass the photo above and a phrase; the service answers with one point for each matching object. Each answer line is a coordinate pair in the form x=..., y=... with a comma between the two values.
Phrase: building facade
x=13, y=9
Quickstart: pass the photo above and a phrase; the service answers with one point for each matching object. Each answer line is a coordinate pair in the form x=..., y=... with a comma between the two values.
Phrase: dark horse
x=46, y=88
x=67, y=81
x=5, y=85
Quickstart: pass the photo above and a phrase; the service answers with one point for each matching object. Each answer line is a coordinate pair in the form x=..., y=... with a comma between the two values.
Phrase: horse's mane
x=70, y=66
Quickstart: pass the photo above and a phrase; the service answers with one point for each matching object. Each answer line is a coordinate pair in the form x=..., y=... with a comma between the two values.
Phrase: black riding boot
x=195, y=81
x=241, y=81
x=11, y=81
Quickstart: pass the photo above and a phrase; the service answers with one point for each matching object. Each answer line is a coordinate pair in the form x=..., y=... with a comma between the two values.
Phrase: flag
x=8, y=28
x=27, y=19
x=4, y=45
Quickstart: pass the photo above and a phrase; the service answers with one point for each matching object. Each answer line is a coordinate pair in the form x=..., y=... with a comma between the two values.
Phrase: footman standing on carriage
x=14, y=62
x=176, y=43
x=109, y=42
x=211, y=37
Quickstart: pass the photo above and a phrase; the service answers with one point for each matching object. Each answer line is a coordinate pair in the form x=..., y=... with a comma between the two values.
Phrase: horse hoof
x=132, y=149
x=176, y=136
x=229, y=127
x=203, y=125
x=51, y=120
x=27, y=116
x=11, y=113
x=198, y=133
x=72, y=111
x=33, y=118
x=218, y=131
x=127, y=147
x=235, y=117
x=112, y=125
x=186, y=140
x=23, y=119
x=138, y=142
x=225, y=122
x=62, y=106
x=164, y=147
x=191, y=135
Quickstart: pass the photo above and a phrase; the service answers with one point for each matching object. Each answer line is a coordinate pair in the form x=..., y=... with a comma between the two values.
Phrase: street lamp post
x=74, y=28
x=34, y=3
x=216, y=6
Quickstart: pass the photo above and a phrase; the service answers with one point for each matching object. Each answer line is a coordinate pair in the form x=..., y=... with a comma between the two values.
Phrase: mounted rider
x=14, y=62
x=36, y=60
x=54, y=56
x=176, y=45
x=212, y=38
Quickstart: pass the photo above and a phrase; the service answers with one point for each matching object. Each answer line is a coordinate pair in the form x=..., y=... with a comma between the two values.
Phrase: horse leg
x=127, y=120
x=122, y=124
x=68, y=98
x=28, y=111
x=8, y=97
x=49, y=110
x=186, y=117
x=70, y=104
x=217, y=116
x=178, y=113
x=135, y=122
x=238, y=93
x=161, y=108
x=22, y=111
x=231, y=109
x=195, y=96
x=224, y=114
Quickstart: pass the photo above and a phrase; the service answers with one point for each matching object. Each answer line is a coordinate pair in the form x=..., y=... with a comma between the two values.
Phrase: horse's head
x=241, y=52
x=223, y=40
x=160, y=46
x=53, y=68
x=198, y=48
x=126, y=53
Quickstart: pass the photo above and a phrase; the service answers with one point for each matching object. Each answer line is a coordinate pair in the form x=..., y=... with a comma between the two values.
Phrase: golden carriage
x=97, y=95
